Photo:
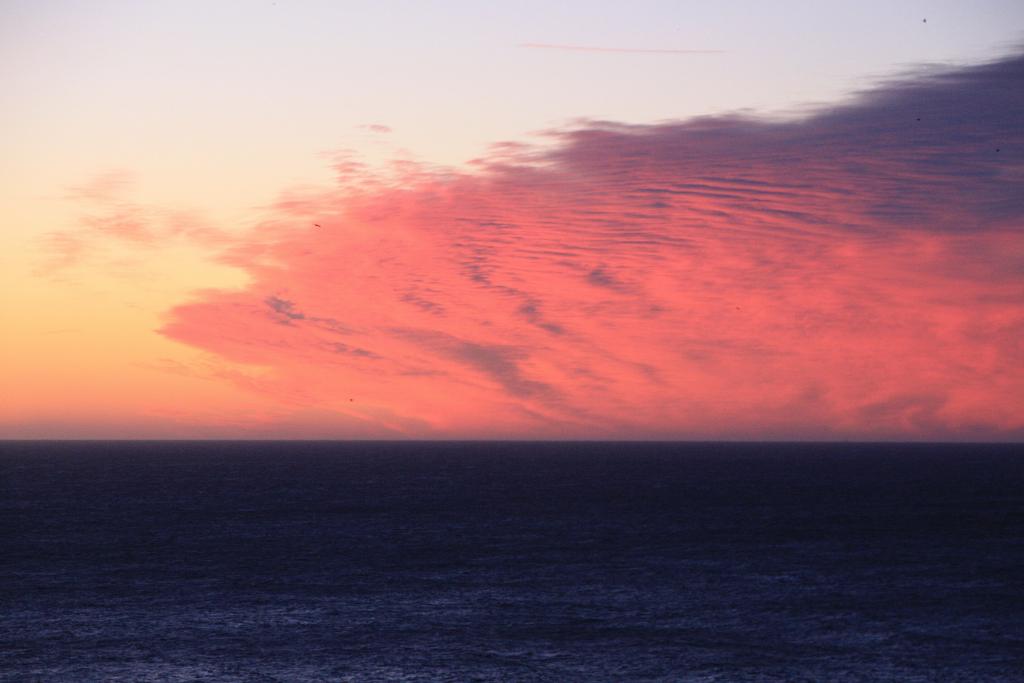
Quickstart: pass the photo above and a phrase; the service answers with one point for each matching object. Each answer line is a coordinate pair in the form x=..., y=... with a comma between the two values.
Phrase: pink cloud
x=858, y=273
x=110, y=216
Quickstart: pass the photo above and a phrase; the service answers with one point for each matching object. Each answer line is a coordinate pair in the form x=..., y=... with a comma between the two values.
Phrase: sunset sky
x=536, y=220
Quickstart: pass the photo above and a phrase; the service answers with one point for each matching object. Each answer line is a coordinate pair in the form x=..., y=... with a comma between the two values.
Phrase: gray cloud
x=619, y=50
x=499, y=362
x=284, y=310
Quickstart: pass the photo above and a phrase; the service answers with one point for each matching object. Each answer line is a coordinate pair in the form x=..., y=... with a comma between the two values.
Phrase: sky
x=531, y=220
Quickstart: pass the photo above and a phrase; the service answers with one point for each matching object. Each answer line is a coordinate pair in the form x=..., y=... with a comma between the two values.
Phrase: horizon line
x=512, y=440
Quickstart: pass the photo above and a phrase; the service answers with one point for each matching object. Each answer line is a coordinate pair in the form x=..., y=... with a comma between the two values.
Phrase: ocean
x=511, y=561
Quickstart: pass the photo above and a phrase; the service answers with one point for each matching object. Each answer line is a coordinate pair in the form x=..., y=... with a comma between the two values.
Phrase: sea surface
x=318, y=561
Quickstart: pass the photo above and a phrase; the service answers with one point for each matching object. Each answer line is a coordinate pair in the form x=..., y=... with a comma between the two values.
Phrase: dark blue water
x=561, y=562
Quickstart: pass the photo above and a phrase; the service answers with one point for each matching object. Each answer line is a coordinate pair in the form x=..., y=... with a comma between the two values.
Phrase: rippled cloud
x=857, y=272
